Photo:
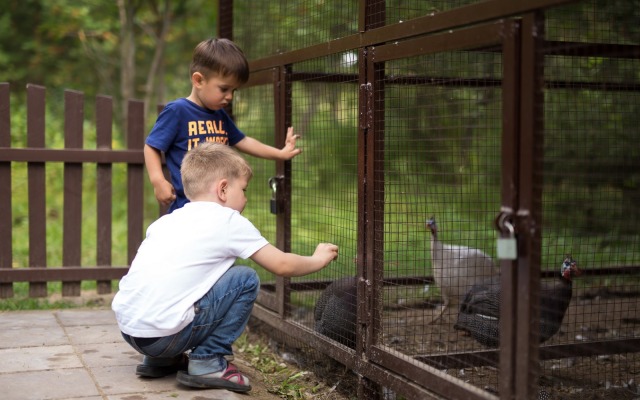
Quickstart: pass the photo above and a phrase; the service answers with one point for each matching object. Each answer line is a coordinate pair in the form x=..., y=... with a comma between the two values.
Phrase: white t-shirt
x=182, y=257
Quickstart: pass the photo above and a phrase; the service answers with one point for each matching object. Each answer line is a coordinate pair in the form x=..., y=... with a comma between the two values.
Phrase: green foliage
x=77, y=43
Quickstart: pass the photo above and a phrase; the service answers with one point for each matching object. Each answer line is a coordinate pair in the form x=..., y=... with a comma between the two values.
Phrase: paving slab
x=77, y=317
x=30, y=328
x=53, y=384
x=38, y=359
x=80, y=354
x=108, y=354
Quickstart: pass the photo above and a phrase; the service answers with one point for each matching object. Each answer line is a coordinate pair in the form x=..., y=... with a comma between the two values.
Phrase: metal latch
x=275, y=204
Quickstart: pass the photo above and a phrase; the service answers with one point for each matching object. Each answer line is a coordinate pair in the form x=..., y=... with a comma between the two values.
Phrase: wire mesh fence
x=436, y=151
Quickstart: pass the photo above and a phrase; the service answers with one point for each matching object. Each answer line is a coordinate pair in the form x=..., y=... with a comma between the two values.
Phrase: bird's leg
x=444, y=307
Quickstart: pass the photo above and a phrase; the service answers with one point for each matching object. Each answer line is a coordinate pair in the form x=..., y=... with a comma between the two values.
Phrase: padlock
x=508, y=246
x=274, y=206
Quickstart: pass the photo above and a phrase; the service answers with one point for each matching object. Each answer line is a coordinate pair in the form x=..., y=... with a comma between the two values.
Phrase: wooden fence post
x=72, y=209
x=6, y=219
x=104, y=198
x=135, y=141
x=37, y=188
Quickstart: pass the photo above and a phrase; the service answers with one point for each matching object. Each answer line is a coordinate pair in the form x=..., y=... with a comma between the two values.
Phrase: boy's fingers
x=291, y=134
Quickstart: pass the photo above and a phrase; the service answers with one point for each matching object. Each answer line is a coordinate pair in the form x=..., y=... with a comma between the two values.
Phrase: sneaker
x=230, y=379
x=149, y=371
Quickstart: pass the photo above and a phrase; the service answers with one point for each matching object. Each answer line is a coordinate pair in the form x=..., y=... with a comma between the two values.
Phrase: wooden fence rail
x=73, y=156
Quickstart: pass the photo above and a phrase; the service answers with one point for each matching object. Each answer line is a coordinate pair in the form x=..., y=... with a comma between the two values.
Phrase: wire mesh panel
x=403, y=10
x=264, y=28
x=325, y=196
x=254, y=111
x=590, y=199
x=442, y=131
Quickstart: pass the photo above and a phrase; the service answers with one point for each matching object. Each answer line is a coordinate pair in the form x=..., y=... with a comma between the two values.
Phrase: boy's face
x=214, y=92
x=236, y=196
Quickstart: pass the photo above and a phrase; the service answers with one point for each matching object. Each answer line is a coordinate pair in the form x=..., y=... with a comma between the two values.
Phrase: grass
x=21, y=300
x=281, y=379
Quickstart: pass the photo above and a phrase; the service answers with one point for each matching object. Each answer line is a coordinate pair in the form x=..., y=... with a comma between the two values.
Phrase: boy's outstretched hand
x=326, y=252
x=290, y=150
x=290, y=264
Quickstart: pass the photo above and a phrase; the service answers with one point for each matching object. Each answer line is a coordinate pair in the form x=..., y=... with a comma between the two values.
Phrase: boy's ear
x=197, y=79
x=221, y=189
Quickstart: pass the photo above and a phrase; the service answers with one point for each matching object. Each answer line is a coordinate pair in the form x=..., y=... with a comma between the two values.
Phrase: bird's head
x=569, y=268
x=431, y=225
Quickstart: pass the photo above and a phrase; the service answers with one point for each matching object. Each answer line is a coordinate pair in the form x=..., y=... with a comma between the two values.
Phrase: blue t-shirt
x=179, y=128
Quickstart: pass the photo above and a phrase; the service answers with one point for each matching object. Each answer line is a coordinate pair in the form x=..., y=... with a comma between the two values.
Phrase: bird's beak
x=575, y=269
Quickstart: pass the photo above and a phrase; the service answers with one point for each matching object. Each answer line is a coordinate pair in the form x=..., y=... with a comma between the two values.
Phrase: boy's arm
x=290, y=264
x=256, y=148
x=162, y=188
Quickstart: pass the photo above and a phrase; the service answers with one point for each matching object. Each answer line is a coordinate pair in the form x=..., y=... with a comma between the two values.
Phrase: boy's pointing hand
x=290, y=150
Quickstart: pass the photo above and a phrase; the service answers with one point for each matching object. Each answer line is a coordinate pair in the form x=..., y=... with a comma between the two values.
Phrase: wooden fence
x=36, y=155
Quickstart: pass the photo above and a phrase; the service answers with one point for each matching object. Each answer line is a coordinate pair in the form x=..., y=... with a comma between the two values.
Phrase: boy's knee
x=254, y=280
x=249, y=276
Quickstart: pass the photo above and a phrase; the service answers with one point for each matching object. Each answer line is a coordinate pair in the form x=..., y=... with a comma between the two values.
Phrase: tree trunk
x=153, y=90
x=127, y=11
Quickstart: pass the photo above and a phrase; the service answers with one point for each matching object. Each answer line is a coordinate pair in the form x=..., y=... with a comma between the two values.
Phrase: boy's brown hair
x=221, y=57
x=208, y=163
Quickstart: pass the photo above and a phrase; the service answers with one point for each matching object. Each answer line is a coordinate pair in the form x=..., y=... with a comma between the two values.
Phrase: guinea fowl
x=335, y=311
x=456, y=268
x=480, y=311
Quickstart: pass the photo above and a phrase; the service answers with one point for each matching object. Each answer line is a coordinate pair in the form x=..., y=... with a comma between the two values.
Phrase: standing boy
x=183, y=293
x=218, y=68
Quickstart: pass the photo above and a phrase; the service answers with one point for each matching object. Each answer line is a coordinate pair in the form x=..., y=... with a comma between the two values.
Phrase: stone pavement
x=79, y=354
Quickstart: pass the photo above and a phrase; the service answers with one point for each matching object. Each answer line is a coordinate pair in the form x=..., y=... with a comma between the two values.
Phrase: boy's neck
x=192, y=98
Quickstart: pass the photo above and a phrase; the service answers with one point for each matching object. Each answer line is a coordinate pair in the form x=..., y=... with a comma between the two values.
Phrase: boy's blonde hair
x=208, y=163
x=220, y=57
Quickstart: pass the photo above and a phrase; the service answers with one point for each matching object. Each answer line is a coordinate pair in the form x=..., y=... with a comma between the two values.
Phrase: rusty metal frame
x=509, y=201
x=529, y=209
x=370, y=208
x=282, y=102
x=370, y=43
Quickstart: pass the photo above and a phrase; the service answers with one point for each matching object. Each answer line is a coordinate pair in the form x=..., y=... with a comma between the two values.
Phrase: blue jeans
x=220, y=318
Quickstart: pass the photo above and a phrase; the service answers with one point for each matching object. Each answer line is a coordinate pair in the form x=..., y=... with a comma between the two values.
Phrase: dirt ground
x=596, y=314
